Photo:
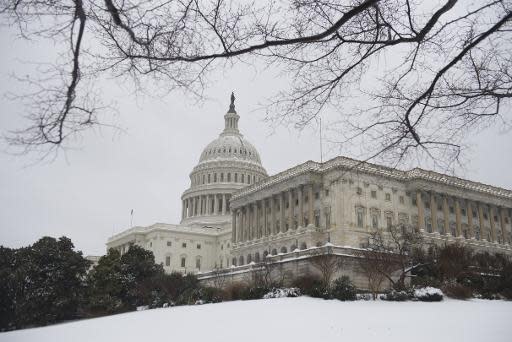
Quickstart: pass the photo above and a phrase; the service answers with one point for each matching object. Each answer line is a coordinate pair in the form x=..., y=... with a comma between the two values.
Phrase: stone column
x=421, y=211
x=433, y=212
x=311, y=203
x=300, y=195
x=272, y=229
x=446, y=215
x=493, y=225
x=258, y=218
x=215, y=204
x=481, y=221
x=233, y=226
x=281, y=211
x=253, y=221
x=223, y=204
x=469, y=212
x=290, y=209
x=457, y=218
x=265, y=213
x=191, y=211
x=245, y=224
x=503, y=225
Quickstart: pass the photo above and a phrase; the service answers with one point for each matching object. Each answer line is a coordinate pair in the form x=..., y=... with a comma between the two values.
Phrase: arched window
x=229, y=177
x=249, y=258
x=198, y=263
x=274, y=251
x=243, y=178
x=183, y=261
x=209, y=179
x=265, y=253
x=222, y=177
x=236, y=177
x=292, y=248
x=215, y=177
x=303, y=246
x=257, y=257
x=284, y=250
x=241, y=260
x=233, y=261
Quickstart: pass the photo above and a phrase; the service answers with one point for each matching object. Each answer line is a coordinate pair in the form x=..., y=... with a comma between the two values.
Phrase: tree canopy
x=407, y=77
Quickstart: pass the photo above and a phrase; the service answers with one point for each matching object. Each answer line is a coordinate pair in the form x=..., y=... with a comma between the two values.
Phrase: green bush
x=343, y=289
x=396, y=296
x=256, y=292
x=311, y=286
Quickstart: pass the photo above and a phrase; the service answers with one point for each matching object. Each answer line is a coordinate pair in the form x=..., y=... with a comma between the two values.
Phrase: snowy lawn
x=293, y=319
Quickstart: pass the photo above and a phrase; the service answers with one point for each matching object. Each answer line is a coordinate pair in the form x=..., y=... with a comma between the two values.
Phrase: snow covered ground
x=293, y=319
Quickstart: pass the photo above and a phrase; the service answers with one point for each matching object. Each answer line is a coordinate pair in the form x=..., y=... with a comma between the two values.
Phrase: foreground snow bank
x=292, y=319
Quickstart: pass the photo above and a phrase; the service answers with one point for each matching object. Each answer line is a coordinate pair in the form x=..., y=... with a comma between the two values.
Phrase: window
x=203, y=178
x=243, y=178
x=474, y=213
x=359, y=213
x=414, y=201
x=359, y=191
x=463, y=211
x=215, y=177
x=326, y=192
x=151, y=244
x=198, y=246
x=169, y=243
x=198, y=263
x=236, y=177
x=374, y=194
x=183, y=260
x=167, y=261
x=222, y=177
x=389, y=222
x=388, y=197
x=209, y=179
x=452, y=209
x=184, y=245
x=401, y=199
x=229, y=177
x=375, y=221
x=317, y=196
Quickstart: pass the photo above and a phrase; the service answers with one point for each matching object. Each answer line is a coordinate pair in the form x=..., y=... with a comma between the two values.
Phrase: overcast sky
x=88, y=192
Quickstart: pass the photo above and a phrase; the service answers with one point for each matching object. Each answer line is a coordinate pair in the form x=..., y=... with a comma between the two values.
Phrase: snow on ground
x=292, y=319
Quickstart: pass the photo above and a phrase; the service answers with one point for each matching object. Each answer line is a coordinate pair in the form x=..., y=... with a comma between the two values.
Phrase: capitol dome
x=226, y=165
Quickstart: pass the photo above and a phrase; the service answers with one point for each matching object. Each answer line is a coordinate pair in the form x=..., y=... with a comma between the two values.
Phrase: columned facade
x=331, y=203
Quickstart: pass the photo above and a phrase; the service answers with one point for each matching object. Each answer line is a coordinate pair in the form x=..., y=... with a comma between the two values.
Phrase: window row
x=221, y=177
x=183, y=261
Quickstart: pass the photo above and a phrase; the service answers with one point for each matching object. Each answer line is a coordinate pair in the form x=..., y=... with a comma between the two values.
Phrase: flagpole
x=131, y=219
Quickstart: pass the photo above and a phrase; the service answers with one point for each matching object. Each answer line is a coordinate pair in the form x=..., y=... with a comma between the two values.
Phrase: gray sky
x=87, y=193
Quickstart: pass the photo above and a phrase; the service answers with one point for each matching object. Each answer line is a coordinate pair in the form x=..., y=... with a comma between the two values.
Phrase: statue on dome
x=232, y=105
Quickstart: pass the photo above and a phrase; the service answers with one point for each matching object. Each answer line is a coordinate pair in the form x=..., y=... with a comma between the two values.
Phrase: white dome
x=227, y=164
x=230, y=147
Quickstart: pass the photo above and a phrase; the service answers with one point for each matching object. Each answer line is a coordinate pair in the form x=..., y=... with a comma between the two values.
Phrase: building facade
x=235, y=216
x=341, y=201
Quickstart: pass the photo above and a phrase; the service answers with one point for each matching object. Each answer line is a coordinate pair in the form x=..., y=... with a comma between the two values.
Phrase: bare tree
x=328, y=264
x=376, y=269
x=448, y=72
x=389, y=253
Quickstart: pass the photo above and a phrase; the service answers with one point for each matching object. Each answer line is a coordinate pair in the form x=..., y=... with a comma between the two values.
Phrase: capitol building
x=234, y=215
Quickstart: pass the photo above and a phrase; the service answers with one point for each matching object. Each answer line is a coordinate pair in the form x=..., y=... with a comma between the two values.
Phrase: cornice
x=352, y=165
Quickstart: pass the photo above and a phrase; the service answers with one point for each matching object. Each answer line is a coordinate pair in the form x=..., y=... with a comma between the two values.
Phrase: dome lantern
x=231, y=118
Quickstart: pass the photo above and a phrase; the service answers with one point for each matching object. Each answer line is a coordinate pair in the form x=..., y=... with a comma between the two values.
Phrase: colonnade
x=203, y=205
x=275, y=213
x=471, y=219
